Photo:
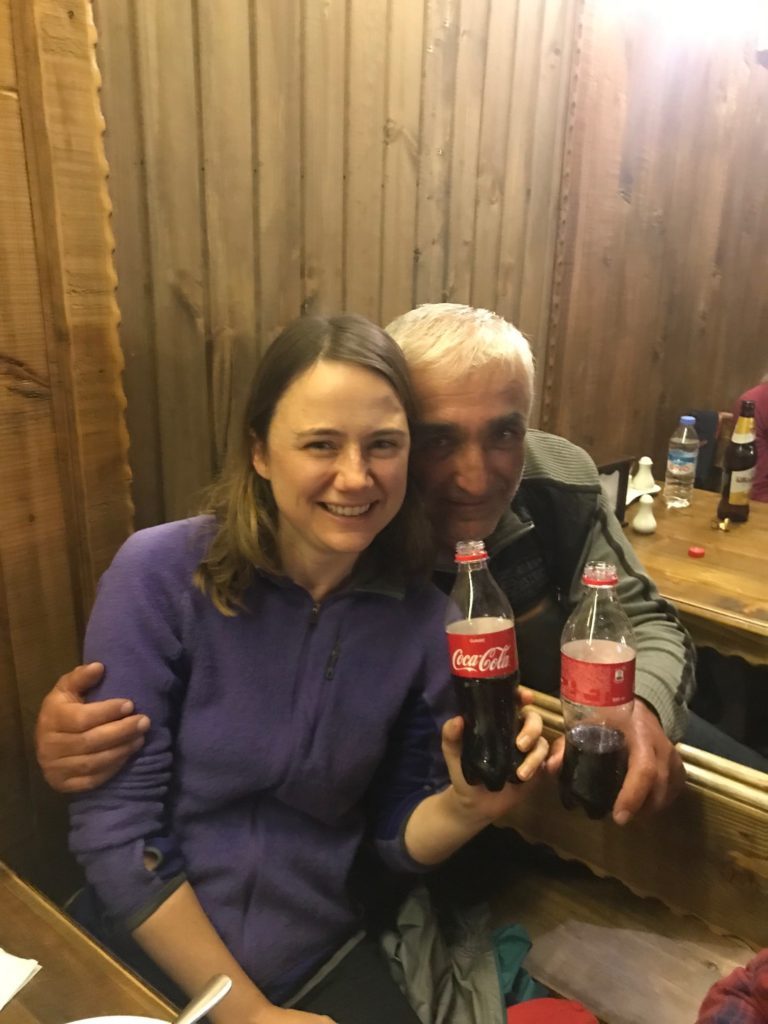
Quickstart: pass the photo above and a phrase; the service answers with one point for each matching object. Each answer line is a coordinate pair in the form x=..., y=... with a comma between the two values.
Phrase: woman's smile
x=347, y=511
x=336, y=457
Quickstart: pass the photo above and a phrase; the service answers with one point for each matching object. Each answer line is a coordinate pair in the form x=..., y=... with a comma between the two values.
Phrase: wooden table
x=78, y=978
x=723, y=597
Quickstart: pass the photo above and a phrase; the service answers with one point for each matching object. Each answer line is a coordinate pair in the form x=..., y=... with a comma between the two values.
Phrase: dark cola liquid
x=491, y=716
x=594, y=767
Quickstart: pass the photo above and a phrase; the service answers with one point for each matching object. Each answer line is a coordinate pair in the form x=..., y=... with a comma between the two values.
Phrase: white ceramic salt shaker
x=643, y=479
x=645, y=520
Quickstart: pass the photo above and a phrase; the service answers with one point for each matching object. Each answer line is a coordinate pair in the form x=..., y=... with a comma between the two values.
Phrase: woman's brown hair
x=241, y=501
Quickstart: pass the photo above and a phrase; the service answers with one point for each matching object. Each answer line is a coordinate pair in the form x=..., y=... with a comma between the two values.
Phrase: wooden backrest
x=64, y=497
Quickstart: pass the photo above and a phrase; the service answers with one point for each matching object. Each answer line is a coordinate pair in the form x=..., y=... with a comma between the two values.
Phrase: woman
x=291, y=658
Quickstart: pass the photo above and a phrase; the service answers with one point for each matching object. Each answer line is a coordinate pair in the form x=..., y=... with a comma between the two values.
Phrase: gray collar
x=509, y=528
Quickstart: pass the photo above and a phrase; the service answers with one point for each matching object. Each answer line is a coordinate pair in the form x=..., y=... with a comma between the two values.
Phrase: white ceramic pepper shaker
x=643, y=479
x=645, y=520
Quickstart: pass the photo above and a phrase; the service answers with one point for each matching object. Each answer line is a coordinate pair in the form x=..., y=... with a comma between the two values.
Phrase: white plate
x=115, y=1018
x=633, y=495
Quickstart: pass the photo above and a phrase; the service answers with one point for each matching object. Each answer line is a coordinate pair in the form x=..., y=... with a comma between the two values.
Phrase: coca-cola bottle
x=481, y=641
x=597, y=685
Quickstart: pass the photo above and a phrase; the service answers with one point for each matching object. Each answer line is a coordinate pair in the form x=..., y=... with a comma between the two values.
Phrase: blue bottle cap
x=689, y=421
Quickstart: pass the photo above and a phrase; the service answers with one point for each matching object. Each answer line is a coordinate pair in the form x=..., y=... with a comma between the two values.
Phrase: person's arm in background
x=739, y=998
x=664, y=680
x=80, y=745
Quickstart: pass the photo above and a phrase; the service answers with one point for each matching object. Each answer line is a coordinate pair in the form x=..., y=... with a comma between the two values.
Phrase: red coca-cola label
x=483, y=655
x=601, y=684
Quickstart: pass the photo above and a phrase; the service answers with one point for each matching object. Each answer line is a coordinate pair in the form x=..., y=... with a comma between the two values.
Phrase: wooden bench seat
x=629, y=960
x=670, y=903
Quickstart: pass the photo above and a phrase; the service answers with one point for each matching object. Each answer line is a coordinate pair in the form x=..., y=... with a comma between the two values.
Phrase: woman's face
x=336, y=456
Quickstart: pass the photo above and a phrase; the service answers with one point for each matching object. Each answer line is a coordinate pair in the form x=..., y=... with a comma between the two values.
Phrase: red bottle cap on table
x=696, y=552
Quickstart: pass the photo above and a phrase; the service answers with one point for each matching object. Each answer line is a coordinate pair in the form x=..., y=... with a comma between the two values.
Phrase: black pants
x=360, y=990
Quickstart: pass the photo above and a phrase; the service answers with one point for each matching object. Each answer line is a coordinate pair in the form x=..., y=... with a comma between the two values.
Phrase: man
x=533, y=497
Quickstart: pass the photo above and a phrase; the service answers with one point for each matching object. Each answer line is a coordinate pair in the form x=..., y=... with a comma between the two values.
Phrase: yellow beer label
x=744, y=431
x=741, y=485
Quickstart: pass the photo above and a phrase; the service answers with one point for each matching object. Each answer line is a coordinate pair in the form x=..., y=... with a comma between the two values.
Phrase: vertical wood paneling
x=492, y=157
x=467, y=118
x=438, y=90
x=17, y=826
x=278, y=76
x=517, y=182
x=118, y=60
x=64, y=505
x=169, y=103
x=38, y=623
x=401, y=158
x=546, y=147
x=392, y=148
x=228, y=162
x=7, y=64
x=324, y=116
x=366, y=115
x=664, y=304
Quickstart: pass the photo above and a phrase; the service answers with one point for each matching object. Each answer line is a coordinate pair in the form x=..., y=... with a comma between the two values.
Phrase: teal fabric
x=511, y=945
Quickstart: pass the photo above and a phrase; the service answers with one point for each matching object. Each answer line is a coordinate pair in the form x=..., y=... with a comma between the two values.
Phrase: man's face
x=469, y=448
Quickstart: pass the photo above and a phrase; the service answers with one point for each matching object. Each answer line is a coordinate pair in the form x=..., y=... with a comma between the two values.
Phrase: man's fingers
x=534, y=760
x=531, y=726
x=81, y=679
x=555, y=759
x=82, y=718
x=638, y=785
x=102, y=737
x=676, y=778
x=81, y=773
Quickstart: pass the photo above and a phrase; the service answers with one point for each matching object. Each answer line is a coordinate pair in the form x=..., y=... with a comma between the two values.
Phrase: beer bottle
x=739, y=467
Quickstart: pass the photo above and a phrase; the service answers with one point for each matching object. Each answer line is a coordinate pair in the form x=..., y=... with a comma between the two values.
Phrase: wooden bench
x=638, y=922
x=629, y=960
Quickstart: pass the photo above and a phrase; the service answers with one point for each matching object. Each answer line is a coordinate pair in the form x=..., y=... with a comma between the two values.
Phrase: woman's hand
x=443, y=822
x=479, y=803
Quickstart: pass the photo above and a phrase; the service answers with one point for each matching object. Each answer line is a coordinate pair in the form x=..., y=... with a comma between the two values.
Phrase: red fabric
x=739, y=998
x=759, y=395
x=549, y=1011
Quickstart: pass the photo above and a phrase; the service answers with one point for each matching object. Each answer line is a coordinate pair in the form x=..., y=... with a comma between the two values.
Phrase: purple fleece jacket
x=279, y=737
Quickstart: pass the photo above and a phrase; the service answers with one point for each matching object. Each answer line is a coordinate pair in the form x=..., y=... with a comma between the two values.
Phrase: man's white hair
x=451, y=340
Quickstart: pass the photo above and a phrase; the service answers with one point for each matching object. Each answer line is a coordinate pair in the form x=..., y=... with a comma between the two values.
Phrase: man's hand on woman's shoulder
x=79, y=746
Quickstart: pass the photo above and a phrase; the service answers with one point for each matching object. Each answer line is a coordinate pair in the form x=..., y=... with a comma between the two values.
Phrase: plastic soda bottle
x=480, y=629
x=597, y=686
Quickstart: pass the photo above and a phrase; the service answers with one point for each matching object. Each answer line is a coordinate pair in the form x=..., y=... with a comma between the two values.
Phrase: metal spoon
x=213, y=991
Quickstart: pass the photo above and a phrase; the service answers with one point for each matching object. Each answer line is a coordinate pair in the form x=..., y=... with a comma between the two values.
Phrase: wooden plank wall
x=660, y=302
x=64, y=499
x=269, y=157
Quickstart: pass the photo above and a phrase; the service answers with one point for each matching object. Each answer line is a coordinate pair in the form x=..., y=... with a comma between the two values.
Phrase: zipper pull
x=330, y=668
x=314, y=614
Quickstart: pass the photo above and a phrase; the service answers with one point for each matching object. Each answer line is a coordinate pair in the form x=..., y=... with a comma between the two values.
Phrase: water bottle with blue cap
x=681, y=464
